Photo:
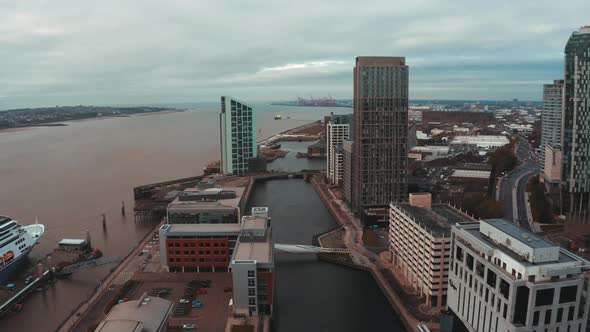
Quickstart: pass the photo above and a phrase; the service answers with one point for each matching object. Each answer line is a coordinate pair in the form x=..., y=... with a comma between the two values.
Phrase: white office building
x=506, y=279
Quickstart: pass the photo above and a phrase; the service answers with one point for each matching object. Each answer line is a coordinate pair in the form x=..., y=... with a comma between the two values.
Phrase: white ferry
x=16, y=242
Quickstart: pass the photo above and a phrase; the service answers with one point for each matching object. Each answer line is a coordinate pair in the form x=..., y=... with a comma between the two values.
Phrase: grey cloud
x=68, y=52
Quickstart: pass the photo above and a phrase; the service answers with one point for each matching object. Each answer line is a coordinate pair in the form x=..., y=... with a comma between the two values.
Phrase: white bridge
x=305, y=249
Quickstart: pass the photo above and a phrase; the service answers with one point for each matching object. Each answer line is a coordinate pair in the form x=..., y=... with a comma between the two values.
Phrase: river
x=68, y=176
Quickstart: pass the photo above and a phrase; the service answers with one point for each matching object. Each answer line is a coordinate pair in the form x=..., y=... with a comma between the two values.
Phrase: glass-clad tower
x=380, y=132
x=576, y=122
x=237, y=122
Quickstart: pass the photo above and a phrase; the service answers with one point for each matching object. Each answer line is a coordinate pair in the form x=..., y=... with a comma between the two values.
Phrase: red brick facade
x=202, y=253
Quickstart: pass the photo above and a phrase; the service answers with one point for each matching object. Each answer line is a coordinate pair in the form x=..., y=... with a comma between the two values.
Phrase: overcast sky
x=66, y=52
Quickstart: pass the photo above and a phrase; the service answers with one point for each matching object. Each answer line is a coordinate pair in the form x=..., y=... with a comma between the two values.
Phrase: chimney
x=421, y=200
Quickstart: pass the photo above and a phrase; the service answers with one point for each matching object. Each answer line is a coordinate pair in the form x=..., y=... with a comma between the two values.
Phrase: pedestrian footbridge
x=305, y=249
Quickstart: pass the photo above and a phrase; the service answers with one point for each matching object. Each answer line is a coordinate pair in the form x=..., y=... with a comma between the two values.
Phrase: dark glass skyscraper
x=379, y=170
x=576, y=121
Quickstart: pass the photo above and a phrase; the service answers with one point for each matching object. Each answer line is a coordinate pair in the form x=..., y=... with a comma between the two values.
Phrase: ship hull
x=12, y=268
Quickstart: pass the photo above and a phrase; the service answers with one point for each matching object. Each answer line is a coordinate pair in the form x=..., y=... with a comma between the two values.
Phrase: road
x=513, y=185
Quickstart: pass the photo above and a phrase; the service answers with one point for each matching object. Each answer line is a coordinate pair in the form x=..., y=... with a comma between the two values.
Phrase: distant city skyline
x=109, y=52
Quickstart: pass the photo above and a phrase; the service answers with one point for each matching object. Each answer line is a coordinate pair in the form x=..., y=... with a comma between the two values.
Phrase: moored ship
x=16, y=242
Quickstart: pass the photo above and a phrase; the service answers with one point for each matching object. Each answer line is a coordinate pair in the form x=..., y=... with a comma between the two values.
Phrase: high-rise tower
x=380, y=132
x=576, y=122
x=237, y=122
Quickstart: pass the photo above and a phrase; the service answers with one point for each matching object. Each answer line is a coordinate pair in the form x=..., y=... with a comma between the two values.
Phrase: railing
x=307, y=249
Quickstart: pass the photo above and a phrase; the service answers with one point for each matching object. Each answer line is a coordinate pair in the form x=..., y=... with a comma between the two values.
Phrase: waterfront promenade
x=373, y=263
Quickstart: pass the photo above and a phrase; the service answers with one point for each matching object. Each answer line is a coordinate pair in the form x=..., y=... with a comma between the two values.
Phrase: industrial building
x=339, y=128
x=380, y=156
x=252, y=266
x=458, y=117
x=420, y=244
x=483, y=142
x=148, y=314
x=505, y=278
x=237, y=125
x=576, y=121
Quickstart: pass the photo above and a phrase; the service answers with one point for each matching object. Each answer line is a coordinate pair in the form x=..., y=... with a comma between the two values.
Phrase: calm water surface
x=68, y=176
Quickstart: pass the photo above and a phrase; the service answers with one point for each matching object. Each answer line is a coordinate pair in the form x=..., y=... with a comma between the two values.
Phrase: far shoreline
x=66, y=123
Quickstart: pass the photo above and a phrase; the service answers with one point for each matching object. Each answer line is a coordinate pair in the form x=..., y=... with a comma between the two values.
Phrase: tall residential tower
x=551, y=120
x=576, y=122
x=338, y=129
x=237, y=123
x=380, y=132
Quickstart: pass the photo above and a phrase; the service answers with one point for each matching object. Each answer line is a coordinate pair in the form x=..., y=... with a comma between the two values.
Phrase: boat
x=16, y=242
x=278, y=117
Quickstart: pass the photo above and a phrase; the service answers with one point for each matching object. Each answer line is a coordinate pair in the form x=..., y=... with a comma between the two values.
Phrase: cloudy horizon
x=61, y=52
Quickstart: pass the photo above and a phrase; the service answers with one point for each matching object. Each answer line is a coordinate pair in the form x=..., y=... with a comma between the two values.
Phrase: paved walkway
x=122, y=273
x=365, y=258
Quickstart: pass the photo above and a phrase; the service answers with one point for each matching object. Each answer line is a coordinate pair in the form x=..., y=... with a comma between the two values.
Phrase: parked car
x=202, y=291
x=196, y=304
x=184, y=301
x=188, y=326
x=227, y=289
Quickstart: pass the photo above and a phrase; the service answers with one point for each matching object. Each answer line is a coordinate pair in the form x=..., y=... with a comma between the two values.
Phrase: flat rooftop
x=529, y=238
x=437, y=219
x=133, y=316
x=254, y=223
x=202, y=229
x=564, y=255
x=179, y=204
x=469, y=173
x=261, y=252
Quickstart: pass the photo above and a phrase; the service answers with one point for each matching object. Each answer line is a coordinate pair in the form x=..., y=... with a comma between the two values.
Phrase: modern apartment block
x=347, y=151
x=506, y=279
x=237, y=124
x=339, y=128
x=420, y=244
x=252, y=266
x=576, y=122
x=380, y=132
x=551, y=116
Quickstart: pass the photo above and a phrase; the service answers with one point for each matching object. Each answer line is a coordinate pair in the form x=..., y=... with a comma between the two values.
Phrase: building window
x=548, y=317
x=252, y=300
x=251, y=274
x=544, y=297
x=251, y=292
x=504, y=288
x=251, y=282
x=536, y=318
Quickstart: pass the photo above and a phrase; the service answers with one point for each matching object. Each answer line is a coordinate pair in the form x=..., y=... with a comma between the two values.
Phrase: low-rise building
x=551, y=175
x=209, y=205
x=148, y=314
x=420, y=244
x=482, y=141
x=252, y=266
x=505, y=278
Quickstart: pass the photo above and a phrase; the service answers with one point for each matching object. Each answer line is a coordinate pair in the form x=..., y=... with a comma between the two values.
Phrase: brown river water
x=68, y=176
